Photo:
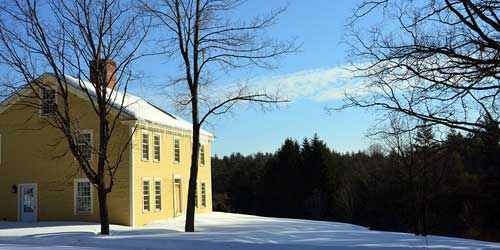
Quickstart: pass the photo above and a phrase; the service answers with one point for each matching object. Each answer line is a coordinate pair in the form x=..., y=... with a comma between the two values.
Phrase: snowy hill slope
x=219, y=231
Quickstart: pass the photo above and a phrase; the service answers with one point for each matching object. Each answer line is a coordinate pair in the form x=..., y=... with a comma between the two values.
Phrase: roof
x=138, y=108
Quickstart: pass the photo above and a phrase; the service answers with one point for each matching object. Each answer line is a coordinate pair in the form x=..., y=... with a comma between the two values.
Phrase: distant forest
x=448, y=187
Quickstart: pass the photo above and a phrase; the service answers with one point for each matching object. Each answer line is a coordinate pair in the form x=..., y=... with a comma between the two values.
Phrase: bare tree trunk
x=189, y=227
x=101, y=32
x=103, y=211
x=205, y=39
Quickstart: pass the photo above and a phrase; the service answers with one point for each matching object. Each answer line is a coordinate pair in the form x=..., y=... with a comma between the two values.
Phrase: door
x=177, y=197
x=27, y=202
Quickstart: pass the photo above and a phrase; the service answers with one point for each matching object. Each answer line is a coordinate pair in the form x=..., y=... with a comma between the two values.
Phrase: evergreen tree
x=318, y=172
x=444, y=188
x=282, y=182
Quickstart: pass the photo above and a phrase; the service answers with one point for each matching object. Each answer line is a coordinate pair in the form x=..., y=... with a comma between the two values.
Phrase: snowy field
x=221, y=231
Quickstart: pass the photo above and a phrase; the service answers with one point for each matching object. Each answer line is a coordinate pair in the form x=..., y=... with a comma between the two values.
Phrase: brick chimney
x=107, y=69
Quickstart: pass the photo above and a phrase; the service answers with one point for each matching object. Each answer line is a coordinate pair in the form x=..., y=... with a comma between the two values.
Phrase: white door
x=27, y=202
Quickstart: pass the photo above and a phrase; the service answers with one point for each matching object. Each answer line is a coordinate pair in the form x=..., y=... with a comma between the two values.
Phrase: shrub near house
x=40, y=181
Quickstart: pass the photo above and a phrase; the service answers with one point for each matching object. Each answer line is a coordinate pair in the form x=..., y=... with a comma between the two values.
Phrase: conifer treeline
x=450, y=187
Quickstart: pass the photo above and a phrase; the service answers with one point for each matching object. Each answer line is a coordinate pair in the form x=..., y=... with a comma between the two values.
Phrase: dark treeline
x=450, y=187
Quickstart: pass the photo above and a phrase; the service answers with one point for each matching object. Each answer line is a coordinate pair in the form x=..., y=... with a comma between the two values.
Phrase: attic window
x=48, y=98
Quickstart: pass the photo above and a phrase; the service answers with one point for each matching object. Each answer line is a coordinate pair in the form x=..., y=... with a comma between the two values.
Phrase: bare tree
x=437, y=61
x=69, y=38
x=434, y=61
x=399, y=137
x=208, y=42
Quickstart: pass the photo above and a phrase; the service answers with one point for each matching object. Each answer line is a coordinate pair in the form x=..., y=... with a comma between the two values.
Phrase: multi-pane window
x=177, y=150
x=48, y=97
x=146, y=205
x=83, y=197
x=203, y=194
x=158, y=195
x=156, y=147
x=84, y=143
x=196, y=195
x=145, y=146
x=202, y=154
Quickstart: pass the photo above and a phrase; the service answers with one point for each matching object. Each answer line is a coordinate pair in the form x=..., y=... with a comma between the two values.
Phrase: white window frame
x=203, y=194
x=41, y=89
x=91, y=143
x=202, y=154
x=161, y=196
x=177, y=138
x=149, y=194
x=145, y=132
x=75, y=195
x=155, y=135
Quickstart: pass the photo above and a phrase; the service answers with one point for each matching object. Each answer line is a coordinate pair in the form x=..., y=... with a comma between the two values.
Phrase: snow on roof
x=138, y=108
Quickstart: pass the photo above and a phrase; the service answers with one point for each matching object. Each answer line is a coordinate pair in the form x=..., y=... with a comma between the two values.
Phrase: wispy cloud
x=322, y=85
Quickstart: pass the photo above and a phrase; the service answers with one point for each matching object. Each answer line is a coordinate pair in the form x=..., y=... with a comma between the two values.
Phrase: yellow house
x=40, y=181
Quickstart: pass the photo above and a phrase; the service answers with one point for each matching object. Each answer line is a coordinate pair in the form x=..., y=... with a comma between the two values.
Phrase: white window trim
x=204, y=155
x=142, y=194
x=161, y=194
x=180, y=149
x=201, y=194
x=145, y=132
x=75, y=192
x=40, y=94
x=159, y=147
x=91, y=132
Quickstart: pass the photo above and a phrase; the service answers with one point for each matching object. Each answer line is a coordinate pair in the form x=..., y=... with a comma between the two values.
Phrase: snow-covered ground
x=221, y=231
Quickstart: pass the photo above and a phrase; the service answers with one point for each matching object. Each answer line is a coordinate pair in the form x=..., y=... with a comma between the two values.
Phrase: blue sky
x=310, y=78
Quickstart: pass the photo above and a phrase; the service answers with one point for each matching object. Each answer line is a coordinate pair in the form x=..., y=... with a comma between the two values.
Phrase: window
x=146, y=205
x=48, y=97
x=203, y=194
x=158, y=195
x=156, y=147
x=177, y=150
x=84, y=143
x=202, y=154
x=196, y=195
x=145, y=146
x=83, y=196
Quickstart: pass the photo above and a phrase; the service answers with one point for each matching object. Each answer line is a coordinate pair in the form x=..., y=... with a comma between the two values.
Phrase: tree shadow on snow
x=262, y=234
